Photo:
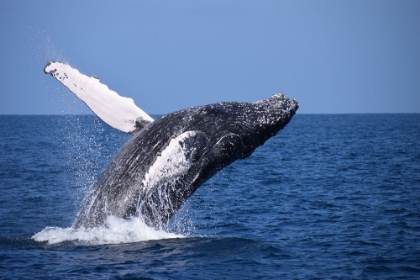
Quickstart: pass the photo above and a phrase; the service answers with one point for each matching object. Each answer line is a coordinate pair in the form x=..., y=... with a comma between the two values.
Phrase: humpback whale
x=167, y=159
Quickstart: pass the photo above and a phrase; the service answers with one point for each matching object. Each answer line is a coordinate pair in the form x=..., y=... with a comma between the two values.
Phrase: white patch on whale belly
x=171, y=164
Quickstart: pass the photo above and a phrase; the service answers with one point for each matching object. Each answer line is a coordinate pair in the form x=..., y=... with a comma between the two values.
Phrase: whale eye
x=227, y=147
x=228, y=144
x=195, y=155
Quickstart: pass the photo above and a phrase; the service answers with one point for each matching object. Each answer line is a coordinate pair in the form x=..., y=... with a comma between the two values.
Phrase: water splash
x=81, y=153
x=41, y=47
x=114, y=231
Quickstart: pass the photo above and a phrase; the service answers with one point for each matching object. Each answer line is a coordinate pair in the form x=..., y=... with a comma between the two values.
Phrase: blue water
x=331, y=196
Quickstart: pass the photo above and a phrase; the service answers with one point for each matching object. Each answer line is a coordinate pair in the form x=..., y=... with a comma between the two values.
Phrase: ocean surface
x=329, y=197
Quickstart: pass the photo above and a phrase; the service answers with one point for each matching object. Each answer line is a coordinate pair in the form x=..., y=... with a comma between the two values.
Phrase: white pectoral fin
x=117, y=111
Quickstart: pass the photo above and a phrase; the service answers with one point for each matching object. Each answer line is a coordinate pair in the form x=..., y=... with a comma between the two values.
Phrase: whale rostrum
x=167, y=159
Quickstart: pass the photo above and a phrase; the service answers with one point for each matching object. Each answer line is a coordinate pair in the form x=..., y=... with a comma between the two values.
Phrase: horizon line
x=160, y=114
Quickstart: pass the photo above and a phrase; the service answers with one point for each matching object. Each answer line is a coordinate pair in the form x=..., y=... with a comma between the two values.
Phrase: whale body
x=167, y=159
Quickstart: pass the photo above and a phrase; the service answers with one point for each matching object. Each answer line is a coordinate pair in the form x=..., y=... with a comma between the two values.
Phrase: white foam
x=114, y=231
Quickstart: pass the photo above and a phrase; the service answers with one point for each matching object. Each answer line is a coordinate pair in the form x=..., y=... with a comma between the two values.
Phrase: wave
x=114, y=231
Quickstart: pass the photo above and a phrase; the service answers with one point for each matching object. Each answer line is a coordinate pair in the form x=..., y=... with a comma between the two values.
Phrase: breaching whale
x=167, y=159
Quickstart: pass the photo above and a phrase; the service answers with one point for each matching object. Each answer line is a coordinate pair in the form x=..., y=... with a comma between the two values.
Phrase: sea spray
x=114, y=231
x=88, y=144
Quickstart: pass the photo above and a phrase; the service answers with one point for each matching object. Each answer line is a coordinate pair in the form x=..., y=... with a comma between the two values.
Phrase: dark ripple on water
x=331, y=196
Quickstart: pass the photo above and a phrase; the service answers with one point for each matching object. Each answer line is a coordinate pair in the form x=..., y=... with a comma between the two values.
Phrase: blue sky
x=331, y=56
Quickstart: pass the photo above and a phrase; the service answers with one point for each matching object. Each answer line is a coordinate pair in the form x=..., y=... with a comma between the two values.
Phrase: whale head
x=269, y=116
x=236, y=129
x=211, y=137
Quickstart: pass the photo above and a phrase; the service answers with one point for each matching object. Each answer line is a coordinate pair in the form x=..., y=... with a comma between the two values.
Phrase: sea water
x=330, y=196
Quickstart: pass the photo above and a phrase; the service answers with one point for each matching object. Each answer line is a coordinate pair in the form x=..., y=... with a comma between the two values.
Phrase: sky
x=346, y=56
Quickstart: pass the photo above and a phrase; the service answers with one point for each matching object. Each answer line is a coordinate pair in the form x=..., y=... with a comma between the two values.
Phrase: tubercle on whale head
x=277, y=106
x=272, y=114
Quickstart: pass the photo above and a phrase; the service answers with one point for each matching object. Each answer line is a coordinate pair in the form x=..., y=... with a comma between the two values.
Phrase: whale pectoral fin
x=117, y=111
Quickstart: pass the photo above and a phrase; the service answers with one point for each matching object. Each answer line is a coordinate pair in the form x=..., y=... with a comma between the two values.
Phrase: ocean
x=329, y=197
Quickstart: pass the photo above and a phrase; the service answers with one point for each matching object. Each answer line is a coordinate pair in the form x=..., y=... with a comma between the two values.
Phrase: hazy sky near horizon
x=347, y=56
